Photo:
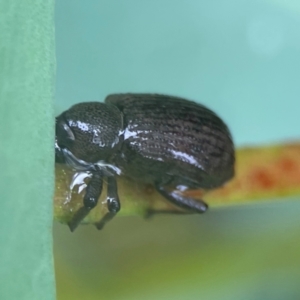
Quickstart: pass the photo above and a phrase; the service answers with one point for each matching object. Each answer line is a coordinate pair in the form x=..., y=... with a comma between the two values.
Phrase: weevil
x=172, y=143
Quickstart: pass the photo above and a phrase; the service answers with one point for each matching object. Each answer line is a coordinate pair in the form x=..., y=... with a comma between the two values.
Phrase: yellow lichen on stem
x=261, y=173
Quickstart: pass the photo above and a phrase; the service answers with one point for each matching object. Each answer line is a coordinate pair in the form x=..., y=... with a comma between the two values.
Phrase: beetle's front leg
x=113, y=202
x=92, y=194
x=189, y=204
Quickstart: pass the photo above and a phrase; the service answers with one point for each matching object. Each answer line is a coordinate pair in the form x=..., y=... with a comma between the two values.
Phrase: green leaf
x=26, y=152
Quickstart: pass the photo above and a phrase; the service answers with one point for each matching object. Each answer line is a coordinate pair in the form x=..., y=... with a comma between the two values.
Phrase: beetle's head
x=88, y=131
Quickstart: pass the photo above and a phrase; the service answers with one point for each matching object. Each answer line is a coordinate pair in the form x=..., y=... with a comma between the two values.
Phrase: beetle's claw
x=79, y=215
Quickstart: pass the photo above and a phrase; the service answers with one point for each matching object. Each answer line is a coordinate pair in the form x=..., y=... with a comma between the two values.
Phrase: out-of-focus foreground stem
x=262, y=173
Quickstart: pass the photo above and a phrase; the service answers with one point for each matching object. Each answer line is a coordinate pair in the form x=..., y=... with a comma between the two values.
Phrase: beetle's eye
x=64, y=134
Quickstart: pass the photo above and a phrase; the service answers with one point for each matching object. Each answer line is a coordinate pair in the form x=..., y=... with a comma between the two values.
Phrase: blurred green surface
x=233, y=253
x=240, y=58
x=26, y=149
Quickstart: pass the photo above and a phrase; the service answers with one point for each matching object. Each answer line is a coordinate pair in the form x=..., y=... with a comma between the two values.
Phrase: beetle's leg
x=90, y=199
x=113, y=203
x=189, y=204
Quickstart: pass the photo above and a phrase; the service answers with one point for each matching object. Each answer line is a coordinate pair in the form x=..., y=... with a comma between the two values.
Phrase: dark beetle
x=170, y=142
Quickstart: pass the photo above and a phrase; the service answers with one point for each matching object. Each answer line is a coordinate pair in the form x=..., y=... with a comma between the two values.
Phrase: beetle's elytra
x=169, y=142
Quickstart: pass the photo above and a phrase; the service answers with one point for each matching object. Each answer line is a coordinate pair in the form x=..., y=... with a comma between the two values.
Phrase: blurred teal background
x=240, y=58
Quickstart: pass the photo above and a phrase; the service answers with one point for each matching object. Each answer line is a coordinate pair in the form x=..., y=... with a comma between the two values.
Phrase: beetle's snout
x=59, y=155
x=63, y=132
x=63, y=137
